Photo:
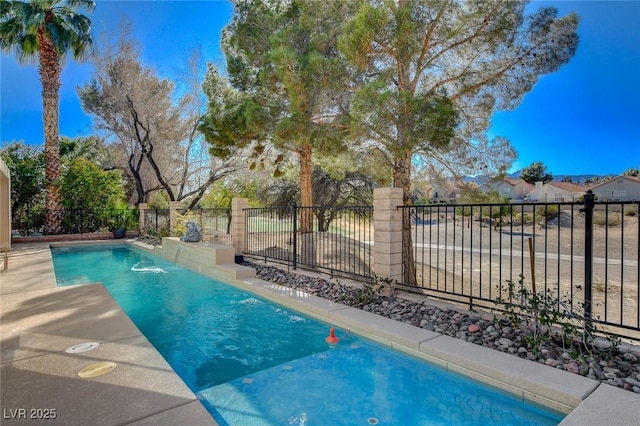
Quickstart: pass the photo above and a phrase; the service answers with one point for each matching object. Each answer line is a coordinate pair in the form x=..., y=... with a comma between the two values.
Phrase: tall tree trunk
x=321, y=216
x=134, y=168
x=402, y=179
x=306, y=243
x=49, y=69
x=306, y=194
x=146, y=147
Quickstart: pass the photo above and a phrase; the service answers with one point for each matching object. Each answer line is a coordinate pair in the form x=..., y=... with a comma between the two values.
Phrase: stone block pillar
x=5, y=215
x=142, y=217
x=238, y=224
x=387, y=228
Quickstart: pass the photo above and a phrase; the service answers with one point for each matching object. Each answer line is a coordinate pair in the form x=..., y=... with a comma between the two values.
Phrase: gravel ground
x=621, y=370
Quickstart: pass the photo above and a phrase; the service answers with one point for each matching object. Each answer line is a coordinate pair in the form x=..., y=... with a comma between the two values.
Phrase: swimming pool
x=253, y=362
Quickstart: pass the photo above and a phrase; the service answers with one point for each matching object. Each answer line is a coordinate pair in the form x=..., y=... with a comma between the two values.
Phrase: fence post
x=387, y=231
x=239, y=224
x=589, y=202
x=141, y=218
x=294, y=236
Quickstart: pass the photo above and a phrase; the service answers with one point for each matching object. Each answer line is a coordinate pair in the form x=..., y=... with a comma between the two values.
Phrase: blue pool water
x=252, y=362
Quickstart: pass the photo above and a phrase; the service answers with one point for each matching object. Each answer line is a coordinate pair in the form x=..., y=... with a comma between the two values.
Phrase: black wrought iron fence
x=76, y=221
x=587, y=255
x=215, y=223
x=156, y=223
x=337, y=239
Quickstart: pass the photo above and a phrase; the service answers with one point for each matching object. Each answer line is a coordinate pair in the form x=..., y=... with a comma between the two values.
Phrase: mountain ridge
x=577, y=179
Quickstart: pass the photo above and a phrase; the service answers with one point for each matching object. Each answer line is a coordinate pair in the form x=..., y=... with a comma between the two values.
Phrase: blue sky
x=583, y=119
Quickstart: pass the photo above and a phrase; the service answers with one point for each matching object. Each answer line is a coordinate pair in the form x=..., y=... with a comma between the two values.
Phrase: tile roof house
x=557, y=192
x=516, y=190
x=620, y=188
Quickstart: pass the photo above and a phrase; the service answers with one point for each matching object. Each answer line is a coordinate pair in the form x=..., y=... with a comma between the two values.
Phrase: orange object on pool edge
x=332, y=339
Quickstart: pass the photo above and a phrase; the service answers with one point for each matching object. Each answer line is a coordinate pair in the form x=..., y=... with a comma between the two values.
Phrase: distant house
x=557, y=191
x=516, y=190
x=621, y=188
x=449, y=192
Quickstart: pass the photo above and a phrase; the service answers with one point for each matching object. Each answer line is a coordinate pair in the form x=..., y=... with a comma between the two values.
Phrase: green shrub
x=121, y=218
x=497, y=211
x=84, y=185
x=181, y=222
x=630, y=211
x=553, y=320
x=548, y=212
x=519, y=219
x=603, y=219
x=463, y=211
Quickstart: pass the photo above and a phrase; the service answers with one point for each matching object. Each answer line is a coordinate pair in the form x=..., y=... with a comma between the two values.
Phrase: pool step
x=237, y=272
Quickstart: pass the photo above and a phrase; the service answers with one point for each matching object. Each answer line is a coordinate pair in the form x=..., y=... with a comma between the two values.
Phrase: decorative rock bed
x=622, y=370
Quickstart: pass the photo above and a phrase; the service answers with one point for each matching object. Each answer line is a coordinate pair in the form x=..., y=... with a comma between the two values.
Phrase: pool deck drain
x=39, y=321
x=82, y=347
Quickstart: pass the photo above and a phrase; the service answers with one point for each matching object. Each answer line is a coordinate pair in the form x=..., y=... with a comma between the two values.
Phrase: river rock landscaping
x=620, y=369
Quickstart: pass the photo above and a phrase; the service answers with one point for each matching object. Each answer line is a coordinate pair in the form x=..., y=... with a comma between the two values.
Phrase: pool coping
x=579, y=397
x=587, y=401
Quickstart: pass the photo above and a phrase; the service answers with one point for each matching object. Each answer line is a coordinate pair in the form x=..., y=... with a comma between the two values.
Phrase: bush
x=630, y=211
x=520, y=219
x=554, y=321
x=181, y=222
x=497, y=211
x=463, y=211
x=602, y=219
x=548, y=212
x=84, y=185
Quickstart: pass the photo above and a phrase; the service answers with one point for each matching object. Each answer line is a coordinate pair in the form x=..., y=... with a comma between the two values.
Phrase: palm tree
x=46, y=30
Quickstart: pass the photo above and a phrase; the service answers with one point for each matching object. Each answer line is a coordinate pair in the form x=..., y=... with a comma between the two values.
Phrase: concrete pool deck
x=39, y=320
x=39, y=379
